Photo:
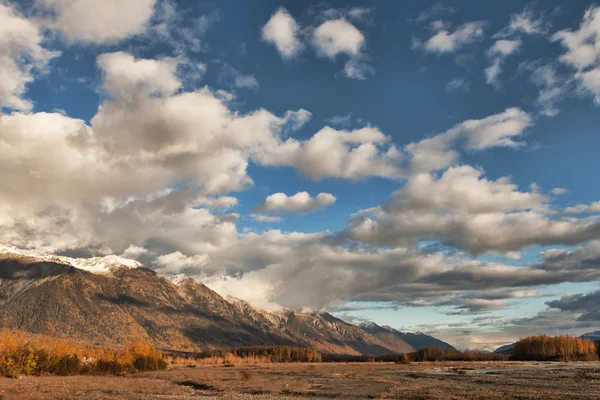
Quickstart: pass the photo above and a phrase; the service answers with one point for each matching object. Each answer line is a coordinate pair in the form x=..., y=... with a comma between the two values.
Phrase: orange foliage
x=22, y=353
x=545, y=347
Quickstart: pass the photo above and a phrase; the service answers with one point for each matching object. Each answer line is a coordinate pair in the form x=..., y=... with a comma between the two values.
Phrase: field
x=439, y=380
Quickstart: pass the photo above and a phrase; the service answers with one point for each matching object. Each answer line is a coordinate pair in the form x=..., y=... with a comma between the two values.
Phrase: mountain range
x=111, y=300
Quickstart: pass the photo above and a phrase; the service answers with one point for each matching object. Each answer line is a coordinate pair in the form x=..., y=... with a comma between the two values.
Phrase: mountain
x=506, y=349
x=110, y=300
x=403, y=342
x=593, y=336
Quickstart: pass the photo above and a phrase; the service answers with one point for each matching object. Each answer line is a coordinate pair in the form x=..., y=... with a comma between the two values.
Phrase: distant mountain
x=110, y=300
x=593, y=336
x=403, y=341
x=506, y=349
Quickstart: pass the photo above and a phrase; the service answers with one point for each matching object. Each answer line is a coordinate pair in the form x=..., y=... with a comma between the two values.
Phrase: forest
x=555, y=348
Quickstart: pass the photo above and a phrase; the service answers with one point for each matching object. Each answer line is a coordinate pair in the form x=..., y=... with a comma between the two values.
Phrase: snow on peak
x=105, y=265
x=178, y=279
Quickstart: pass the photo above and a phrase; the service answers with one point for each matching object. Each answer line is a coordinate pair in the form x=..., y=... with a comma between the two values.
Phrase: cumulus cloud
x=584, y=208
x=300, y=202
x=444, y=41
x=439, y=151
x=177, y=262
x=127, y=78
x=583, y=52
x=496, y=130
x=21, y=53
x=470, y=214
x=100, y=23
x=283, y=32
x=338, y=36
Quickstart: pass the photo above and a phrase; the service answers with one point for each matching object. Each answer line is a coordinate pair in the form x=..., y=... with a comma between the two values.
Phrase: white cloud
x=583, y=52
x=583, y=45
x=177, y=262
x=334, y=37
x=590, y=82
x=496, y=130
x=338, y=36
x=266, y=218
x=437, y=152
x=445, y=41
x=134, y=252
x=458, y=84
x=99, y=22
x=341, y=120
x=127, y=78
x=498, y=53
x=220, y=202
x=282, y=31
x=21, y=53
x=300, y=202
x=584, y=208
x=232, y=76
x=525, y=22
x=344, y=154
x=558, y=191
x=465, y=211
x=246, y=81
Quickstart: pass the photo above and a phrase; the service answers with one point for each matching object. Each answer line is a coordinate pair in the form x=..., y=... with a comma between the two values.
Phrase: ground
x=483, y=380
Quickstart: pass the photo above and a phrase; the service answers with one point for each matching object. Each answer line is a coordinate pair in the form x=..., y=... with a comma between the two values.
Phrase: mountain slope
x=593, y=336
x=403, y=341
x=506, y=349
x=391, y=338
x=111, y=300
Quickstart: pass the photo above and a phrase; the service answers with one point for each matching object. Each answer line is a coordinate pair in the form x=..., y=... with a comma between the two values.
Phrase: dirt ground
x=482, y=380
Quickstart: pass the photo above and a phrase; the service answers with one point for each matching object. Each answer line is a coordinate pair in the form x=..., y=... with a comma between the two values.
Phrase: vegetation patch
x=25, y=354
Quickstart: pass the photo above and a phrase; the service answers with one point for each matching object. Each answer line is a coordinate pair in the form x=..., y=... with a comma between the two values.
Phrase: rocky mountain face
x=110, y=300
x=403, y=342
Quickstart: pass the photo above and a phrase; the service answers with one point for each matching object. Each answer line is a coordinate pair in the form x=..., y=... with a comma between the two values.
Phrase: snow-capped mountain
x=98, y=265
x=111, y=300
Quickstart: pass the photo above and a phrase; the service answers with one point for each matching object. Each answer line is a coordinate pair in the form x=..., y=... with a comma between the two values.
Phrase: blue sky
x=184, y=134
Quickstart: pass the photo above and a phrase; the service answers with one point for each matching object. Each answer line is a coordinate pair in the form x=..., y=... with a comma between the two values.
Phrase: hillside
x=110, y=300
x=403, y=342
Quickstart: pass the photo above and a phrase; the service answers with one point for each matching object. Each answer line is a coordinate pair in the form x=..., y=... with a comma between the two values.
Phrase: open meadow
x=427, y=380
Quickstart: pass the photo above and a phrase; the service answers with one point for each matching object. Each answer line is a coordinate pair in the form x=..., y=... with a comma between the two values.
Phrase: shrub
x=25, y=354
x=437, y=354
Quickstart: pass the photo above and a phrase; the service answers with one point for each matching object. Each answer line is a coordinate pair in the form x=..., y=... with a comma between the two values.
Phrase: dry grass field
x=440, y=380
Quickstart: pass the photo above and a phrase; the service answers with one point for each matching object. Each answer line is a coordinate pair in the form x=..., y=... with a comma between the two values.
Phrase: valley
x=425, y=381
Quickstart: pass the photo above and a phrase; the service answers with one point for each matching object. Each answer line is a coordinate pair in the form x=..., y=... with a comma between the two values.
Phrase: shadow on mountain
x=15, y=269
x=123, y=300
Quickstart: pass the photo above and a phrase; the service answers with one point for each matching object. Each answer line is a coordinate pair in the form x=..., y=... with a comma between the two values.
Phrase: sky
x=424, y=165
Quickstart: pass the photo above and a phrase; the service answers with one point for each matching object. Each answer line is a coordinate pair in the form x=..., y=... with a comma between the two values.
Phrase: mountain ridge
x=111, y=300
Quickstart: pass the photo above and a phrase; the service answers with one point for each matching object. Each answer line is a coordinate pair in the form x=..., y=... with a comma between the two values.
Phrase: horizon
x=425, y=165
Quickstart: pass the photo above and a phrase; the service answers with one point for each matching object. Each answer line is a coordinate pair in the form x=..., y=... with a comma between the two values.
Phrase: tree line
x=248, y=355
x=554, y=348
x=25, y=354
